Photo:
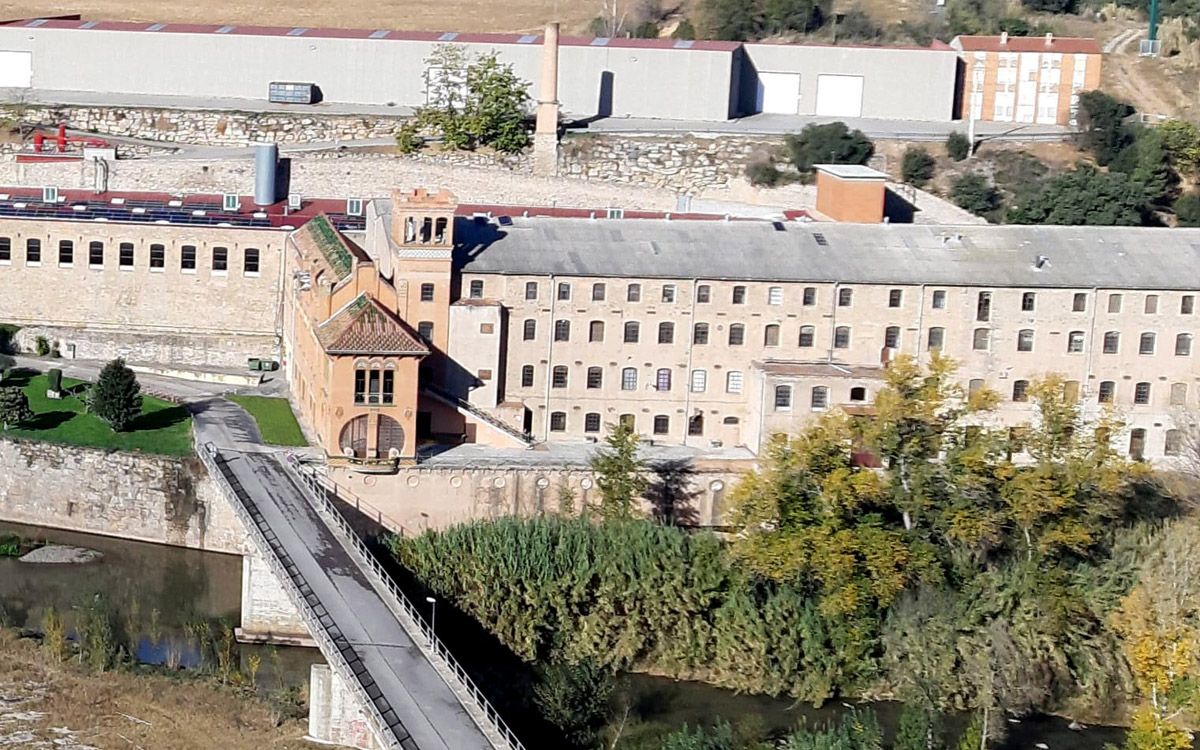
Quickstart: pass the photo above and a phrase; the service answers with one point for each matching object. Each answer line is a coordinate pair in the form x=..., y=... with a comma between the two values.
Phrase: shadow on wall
x=671, y=501
x=897, y=208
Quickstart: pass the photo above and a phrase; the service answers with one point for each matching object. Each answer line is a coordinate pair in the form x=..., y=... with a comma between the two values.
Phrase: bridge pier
x=268, y=614
x=333, y=713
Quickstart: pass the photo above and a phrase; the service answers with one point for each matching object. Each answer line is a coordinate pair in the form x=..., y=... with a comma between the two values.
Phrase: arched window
x=529, y=330
x=841, y=337
x=1183, y=345
x=527, y=376
x=937, y=339
x=981, y=339
x=1146, y=344
x=983, y=307
x=596, y=330
x=1075, y=342
x=820, y=398
x=703, y=294
x=891, y=337
x=662, y=379
x=807, y=335
x=699, y=381
x=598, y=292
x=737, y=334
x=632, y=332
x=629, y=378
x=1112, y=342
x=531, y=290
x=1106, y=392
x=633, y=293
x=595, y=377
x=562, y=330
x=1179, y=394
x=783, y=398
x=1173, y=444
x=666, y=333
x=771, y=335
x=1019, y=390
x=558, y=378
x=1025, y=340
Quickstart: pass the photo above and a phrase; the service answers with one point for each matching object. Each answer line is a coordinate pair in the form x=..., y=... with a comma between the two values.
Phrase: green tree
x=917, y=166
x=916, y=730
x=1147, y=163
x=1102, y=125
x=1187, y=209
x=1182, y=142
x=958, y=146
x=1086, y=196
x=117, y=396
x=749, y=20
x=14, y=407
x=832, y=143
x=718, y=737
x=576, y=699
x=474, y=101
x=1051, y=6
x=620, y=473
x=974, y=193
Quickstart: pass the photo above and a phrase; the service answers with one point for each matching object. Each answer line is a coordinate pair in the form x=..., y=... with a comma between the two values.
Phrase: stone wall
x=211, y=127
x=133, y=496
x=194, y=349
x=428, y=496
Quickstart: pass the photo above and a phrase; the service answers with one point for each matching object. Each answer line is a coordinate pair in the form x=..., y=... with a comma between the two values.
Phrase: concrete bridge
x=389, y=682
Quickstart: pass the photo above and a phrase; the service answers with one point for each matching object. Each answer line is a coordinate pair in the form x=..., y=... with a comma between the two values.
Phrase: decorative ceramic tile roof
x=365, y=327
x=321, y=236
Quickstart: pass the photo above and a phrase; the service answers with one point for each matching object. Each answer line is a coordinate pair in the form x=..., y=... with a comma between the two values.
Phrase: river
x=159, y=591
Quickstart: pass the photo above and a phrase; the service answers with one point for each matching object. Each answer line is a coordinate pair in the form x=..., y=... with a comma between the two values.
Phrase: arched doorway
x=390, y=437
x=353, y=440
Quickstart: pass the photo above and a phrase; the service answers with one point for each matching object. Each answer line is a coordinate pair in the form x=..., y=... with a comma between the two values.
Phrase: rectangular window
x=662, y=424
x=739, y=295
x=527, y=376
x=591, y=422
x=476, y=289
x=666, y=333
x=564, y=291
x=558, y=421
x=983, y=307
x=595, y=377
x=249, y=261
x=360, y=386
x=733, y=381
x=775, y=295
x=845, y=297
x=598, y=292
x=1028, y=301
x=668, y=293
x=389, y=385
x=895, y=297
x=699, y=381
x=125, y=255
x=66, y=253
x=158, y=258
x=425, y=330
x=1079, y=302
x=1141, y=393
x=1114, y=303
x=427, y=291
x=629, y=379
x=1151, y=304
x=1187, y=304
x=5, y=250
x=939, y=300
x=96, y=254
x=220, y=260
x=810, y=296
x=703, y=294
x=633, y=293
x=187, y=258
x=33, y=252
x=700, y=334
x=531, y=290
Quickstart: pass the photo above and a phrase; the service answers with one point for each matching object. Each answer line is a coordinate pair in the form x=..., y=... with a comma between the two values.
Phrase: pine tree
x=620, y=474
x=14, y=407
x=117, y=397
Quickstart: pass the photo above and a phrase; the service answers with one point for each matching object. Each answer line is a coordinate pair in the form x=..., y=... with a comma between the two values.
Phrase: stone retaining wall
x=133, y=496
x=194, y=349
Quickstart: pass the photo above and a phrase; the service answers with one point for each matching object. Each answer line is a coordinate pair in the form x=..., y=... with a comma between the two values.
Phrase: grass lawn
x=163, y=427
x=275, y=419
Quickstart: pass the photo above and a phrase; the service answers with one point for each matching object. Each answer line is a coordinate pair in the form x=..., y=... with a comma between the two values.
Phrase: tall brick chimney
x=545, y=137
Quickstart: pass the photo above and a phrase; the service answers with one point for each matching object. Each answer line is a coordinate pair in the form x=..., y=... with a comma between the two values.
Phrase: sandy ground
x=49, y=705
x=439, y=15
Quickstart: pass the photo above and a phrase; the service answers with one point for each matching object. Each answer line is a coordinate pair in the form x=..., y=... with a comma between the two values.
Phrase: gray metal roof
x=999, y=256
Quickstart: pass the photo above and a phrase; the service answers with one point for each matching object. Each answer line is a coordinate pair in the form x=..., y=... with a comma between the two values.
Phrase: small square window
x=668, y=293
x=939, y=300
x=810, y=296
x=485, y=374
x=895, y=297
x=531, y=290
x=487, y=328
x=427, y=292
x=476, y=289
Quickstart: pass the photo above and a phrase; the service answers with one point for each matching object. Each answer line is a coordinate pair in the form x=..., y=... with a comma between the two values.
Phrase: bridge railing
x=382, y=730
x=489, y=720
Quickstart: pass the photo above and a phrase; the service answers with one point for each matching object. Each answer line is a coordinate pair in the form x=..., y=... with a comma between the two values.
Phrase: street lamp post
x=432, y=615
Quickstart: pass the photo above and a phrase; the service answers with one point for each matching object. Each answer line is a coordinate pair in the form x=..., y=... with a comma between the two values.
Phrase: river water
x=159, y=591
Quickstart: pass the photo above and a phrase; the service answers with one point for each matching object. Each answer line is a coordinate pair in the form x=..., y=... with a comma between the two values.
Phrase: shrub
x=974, y=193
x=408, y=139
x=685, y=30
x=1187, y=209
x=958, y=146
x=832, y=143
x=14, y=407
x=117, y=397
x=42, y=346
x=917, y=166
x=763, y=174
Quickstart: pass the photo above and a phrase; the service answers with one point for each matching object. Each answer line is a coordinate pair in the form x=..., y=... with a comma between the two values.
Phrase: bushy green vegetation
x=917, y=166
x=832, y=143
x=973, y=192
x=161, y=427
x=748, y=20
x=275, y=419
x=986, y=569
x=958, y=146
x=473, y=101
x=117, y=396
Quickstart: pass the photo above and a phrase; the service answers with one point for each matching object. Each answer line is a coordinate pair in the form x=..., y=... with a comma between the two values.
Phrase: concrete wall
x=133, y=496
x=268, y=613
x=593, y=80
x=898, y=83
x=333, y=715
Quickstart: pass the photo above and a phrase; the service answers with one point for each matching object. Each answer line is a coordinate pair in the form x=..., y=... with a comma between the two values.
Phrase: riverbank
x=45, y=703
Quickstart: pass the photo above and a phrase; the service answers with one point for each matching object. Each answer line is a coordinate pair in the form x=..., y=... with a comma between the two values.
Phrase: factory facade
x=411, y=320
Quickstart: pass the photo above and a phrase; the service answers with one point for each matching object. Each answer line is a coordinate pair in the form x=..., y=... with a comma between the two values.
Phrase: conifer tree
x=117, y=396
x=14, y=407
x=620, y=474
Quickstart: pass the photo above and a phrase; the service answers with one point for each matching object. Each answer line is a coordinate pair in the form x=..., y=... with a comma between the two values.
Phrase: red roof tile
x=1063, y=45
x=366, y=327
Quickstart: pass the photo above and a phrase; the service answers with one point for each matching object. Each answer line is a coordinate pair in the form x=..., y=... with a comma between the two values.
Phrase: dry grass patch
x=127, y=710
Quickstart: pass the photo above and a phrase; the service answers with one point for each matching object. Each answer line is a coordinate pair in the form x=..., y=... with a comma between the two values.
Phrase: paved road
x=428, y=710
